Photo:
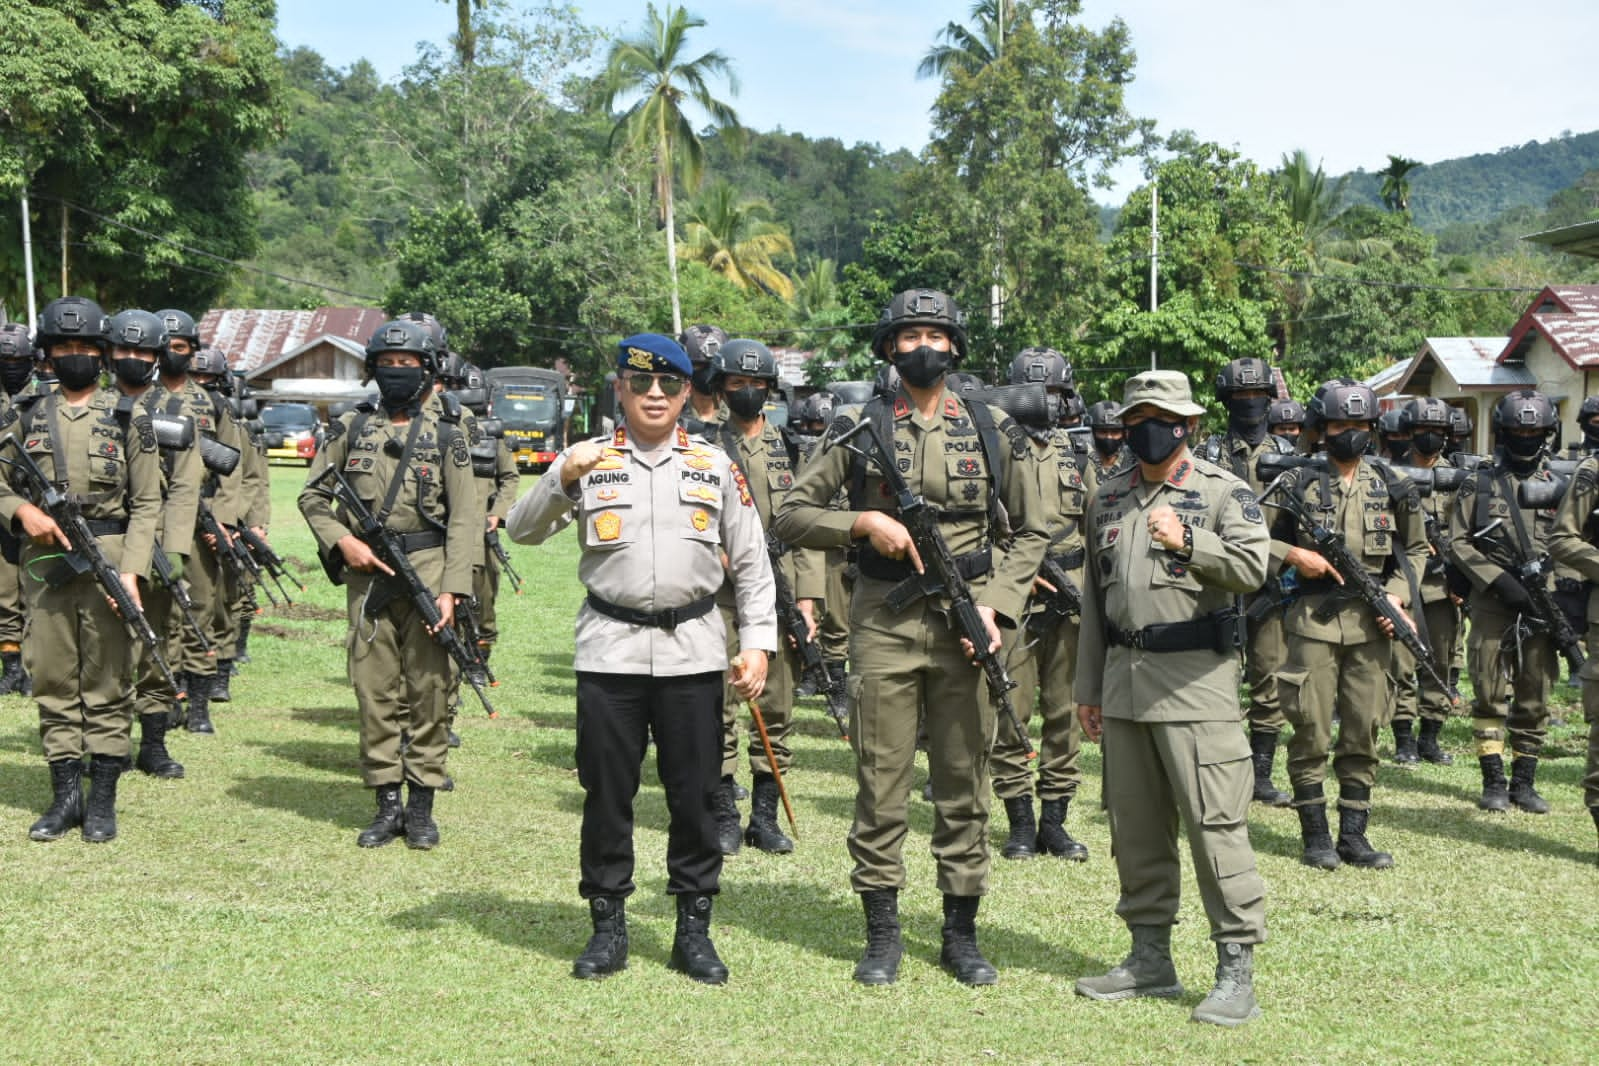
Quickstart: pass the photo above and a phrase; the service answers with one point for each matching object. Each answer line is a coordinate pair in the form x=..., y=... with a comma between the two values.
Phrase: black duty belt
x=880, y=568
x=1221, y=632
x=107, y=527
x=1069, y=560
x=421, y=540
x=668, y=619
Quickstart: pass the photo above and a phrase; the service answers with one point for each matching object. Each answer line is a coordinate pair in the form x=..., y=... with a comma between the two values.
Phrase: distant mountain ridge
x=1480, y=188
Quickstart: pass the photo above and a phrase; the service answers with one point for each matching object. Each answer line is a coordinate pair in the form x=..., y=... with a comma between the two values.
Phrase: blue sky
x=1348, y=82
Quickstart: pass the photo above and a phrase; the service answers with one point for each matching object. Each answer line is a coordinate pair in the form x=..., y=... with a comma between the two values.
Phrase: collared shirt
x=653, y=526
x=1133, y=582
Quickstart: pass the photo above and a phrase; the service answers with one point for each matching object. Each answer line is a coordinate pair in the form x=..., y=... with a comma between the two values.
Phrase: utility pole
x=1154, y=255
x=27, y=263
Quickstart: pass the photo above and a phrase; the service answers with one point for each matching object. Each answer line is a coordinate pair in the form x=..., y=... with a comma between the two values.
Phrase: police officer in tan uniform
x=1339, y=650
x=99, y=447
x=410, y=468
x=16, y=375
x=1042, y=653
x=1574, y=541
x=1174, y=543
x=964, y=459
x=1512, y=666
x=656, y=510
x=745, y=375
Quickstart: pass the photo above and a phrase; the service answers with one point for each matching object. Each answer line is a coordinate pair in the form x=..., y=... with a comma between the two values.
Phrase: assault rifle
x=1357, y=580
x=386, y=545
x=1533, y=572
x=469, y=622
x=267, y=560
x=180, y=595
x=230, y=549
x=1066, y=602
x=793, y=623
x=496, y=546
x=85, y=555
x=921, y=521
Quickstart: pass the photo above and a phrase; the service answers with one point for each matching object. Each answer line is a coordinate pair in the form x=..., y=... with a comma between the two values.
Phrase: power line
x=1372, y=283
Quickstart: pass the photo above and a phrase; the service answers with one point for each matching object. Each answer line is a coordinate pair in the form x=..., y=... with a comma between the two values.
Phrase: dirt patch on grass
x=308, y=612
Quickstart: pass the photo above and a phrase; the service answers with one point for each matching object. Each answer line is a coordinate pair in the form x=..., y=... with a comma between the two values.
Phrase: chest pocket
x=702, y=511
x=108, y=466
x=1071, y=492
x=1379, y=534
x=1170, y=572
x=967, y=483
x=361, y=470
x=1108, y=548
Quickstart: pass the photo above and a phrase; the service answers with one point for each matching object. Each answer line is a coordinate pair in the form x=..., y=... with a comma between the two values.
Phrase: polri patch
x=607, y=525
x=700, y=520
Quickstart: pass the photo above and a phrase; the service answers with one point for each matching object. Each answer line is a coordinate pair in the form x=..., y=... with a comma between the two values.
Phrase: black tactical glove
x=1510, y=592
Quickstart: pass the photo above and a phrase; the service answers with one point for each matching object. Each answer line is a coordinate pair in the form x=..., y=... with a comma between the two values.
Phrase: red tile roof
x=1567, y=316
x=253, y=338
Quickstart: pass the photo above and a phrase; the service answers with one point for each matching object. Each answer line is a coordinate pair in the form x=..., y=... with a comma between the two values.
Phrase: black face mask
x=399, y=386
x=15, y=374
x=174, y=365
x=700, y=380
x=1350, y=444
x=921, y=367
x=746, y=402
x=133, y=372
x=1428, y=442
x=1246, y=417
x=1398, y=450
x=77, y=372
x=1106, y=446
x=1154, y=439
x=1523, y=449
x=1590, y=431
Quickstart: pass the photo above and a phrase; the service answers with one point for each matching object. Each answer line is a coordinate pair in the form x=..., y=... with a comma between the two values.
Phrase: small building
x=1556, y=344
x=303, y=356
x=1463, y=372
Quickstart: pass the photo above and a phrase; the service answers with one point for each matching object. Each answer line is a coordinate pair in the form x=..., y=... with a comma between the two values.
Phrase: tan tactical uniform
x=1172, y=743
x=1573, y=539
x=212, y=586
x=902, y=660
x=77, y=650
x=1415, y=694
x=1338, y=658
x=400, y=673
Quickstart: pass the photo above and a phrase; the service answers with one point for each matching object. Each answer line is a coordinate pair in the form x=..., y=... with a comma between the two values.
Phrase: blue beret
x=653, y=353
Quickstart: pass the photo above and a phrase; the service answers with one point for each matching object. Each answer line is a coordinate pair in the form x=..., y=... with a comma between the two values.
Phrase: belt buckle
x=1137, y=638
x=668, y=619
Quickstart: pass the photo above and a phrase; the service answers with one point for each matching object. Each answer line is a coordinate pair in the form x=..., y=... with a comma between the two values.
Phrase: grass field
x=235, y=921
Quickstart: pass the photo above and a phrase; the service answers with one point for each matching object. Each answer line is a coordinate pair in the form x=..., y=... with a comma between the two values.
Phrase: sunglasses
x=640, y=384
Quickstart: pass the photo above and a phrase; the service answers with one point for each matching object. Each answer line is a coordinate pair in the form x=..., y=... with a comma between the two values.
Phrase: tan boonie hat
x=1166, y=389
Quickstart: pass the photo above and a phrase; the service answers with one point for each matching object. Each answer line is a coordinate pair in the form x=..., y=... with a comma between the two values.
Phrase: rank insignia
x=606, y=495
x=968, y=468
x=610, y=460
x=901, y=407
x=697, y=461
x=700, y=492
x=701, y=520
x=607, y=525
x=951, y=408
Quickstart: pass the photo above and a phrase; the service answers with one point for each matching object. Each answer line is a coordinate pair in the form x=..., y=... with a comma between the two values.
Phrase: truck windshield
x=526, y=410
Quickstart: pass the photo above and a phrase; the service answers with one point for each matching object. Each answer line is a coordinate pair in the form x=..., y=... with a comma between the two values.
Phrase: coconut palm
x=737, y=239
x=1395, y=184
x=970, y=49
x=465, y=37
x=653, y=68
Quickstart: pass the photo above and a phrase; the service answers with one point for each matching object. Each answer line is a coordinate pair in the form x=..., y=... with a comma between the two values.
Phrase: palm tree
x=465, y=38
x=738, y=240
x=652, y=66
x=1395, y=183
x=969, y=50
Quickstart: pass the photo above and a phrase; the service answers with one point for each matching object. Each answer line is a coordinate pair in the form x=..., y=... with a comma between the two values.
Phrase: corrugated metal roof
x=1471, y=361
x=254, y=338
x=1581, y=239
x=1386, y=379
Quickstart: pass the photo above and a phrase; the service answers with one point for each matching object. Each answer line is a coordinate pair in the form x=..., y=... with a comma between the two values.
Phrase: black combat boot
x=100, y=812
x=66, y=810
x=153, y=757
x=880, y=964
x=1023, y=840
x=199, y=720
x=1311, y=803
x=241, y=652
x=1595, y=812
x=1052, y=835
x=219, y=684
x=729, y=834
x=1232, y=1001
x=13, y=678
x=177, y=713
x=1495, y=789
x=1405, y=753
x=1523, y=769
x=1427, y=747
x=606, y=952
x=808, y=684
x=420, y=830
x=389, y=821
x=1146, y=971
x=1263, y=750
x=692, y=950
x=1353, y=847
x=960, y=955
x=763, y=832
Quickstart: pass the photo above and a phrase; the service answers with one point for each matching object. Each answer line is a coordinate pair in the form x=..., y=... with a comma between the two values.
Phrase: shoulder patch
x=1247, y=504
x=142, y=423
x=459, y=455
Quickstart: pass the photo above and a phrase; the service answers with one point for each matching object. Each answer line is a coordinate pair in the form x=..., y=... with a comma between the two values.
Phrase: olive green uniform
x=1042, y=656
x=1338, y=658
x=768, y=470
x=12, y=617
x=1573, y=539
x=77, y=650
x=902, y=659
x=1268, y=646
x=1171, y=738
x=1502, y=668
x=496, y=493
x=1415, y=694
x=401, y=675
x=213, y=587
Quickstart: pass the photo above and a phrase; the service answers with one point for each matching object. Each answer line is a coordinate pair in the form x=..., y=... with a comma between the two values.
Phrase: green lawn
x=235, y=921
